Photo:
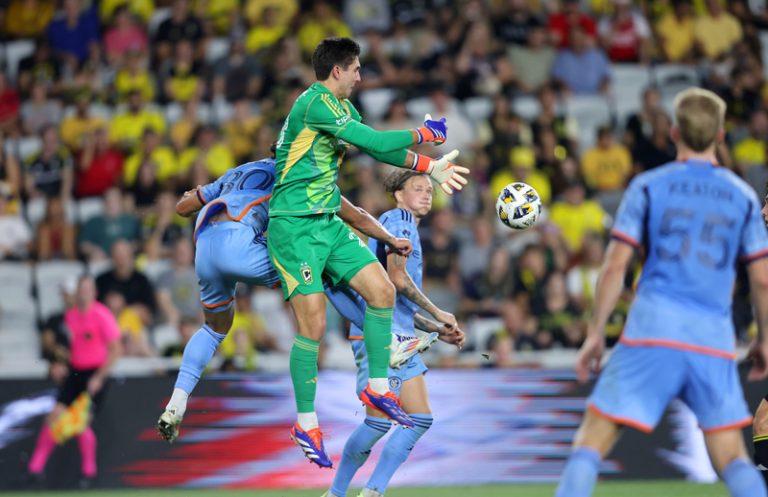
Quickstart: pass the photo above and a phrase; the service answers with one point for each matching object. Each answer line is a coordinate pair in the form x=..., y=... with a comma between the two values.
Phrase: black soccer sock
x=761, y=455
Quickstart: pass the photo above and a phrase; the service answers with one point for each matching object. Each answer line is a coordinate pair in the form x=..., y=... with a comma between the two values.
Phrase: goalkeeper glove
x=433, y=131
x=448, y=175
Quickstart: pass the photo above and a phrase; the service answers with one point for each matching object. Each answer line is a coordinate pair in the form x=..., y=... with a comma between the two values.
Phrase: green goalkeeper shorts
x=307, y=248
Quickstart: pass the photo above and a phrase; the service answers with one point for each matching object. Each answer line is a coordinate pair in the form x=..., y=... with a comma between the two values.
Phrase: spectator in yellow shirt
x=606, y=167
x=184, y=82
x=134, y=76
x=266, y=32
x=152, y=151
x=247, y=335
x=240, y=131
x=523, y=161
x=28, y=18
x=208, y=155
x=675, y=33
x=128, y=127
x=576, y=216
x=750, y=151
x=75, y=127
x=217, y=15
x=323, y=22
x=143, y=9
x=717, y=31
x=285, y=10
x=183, y=129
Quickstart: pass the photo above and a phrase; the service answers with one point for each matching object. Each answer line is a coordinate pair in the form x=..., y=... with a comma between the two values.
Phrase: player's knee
x=384, y=295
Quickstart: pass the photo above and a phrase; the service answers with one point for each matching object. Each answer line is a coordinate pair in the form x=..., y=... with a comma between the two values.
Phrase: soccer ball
x=518, y=206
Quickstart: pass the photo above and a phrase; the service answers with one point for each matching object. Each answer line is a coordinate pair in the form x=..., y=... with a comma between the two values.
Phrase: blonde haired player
x=693, y=220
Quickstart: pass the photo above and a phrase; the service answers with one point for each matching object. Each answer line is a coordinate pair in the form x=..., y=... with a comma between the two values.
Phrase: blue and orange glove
x=433, y=131
x=442, y=170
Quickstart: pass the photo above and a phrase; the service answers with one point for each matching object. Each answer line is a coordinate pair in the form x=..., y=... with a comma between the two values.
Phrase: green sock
x=377, y=334
x=304, y=372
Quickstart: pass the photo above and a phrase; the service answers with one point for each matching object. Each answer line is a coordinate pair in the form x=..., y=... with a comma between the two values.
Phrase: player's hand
x=758, y=354
x=590, y=356
x=95, y=384
x=448, y=175
x=401, y=246
x=446, y=318
x=433, y=131
x=452, y=335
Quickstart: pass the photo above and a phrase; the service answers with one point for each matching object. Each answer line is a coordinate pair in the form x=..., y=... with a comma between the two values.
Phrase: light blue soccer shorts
x=228, y=252
x=638, y=383
x=411, y=369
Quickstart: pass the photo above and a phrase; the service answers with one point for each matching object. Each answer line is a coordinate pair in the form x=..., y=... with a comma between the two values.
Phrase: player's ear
x=398, y=196
x=674, y=133
x=721, y=135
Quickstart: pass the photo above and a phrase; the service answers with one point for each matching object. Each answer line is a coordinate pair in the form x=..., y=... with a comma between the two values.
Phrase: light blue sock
x=397, y=450
x=197, y=355
x=580, y=473
x=743, y=479
x=356, y=452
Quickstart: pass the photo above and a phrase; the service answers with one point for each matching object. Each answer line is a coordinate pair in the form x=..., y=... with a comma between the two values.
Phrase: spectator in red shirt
x=94, y=347
x=625, y=36
x=570, y=16
x=10, y=104
x=100, y=166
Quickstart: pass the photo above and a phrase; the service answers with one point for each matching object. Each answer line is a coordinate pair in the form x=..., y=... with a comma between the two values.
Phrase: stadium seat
x=590, y=112
x=525, y=107
x=14, y=51
x=96, y=268
x=164, y=336
x=480, y=331
x=673, y=78
x=34, y=210
x=417, y=107
x=478, y=108
x=154, y=269
x=24, y=147
x=222, y=111
x=216, y=49
x=628, y=81
x=15, y=290
x=375, y=103
x=88, y=208
x=48, y=278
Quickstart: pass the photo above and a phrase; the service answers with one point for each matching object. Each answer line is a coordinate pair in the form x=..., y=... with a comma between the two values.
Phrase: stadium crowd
x=110, y=110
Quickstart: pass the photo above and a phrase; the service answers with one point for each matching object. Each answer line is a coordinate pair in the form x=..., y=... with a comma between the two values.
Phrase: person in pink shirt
x=94, y=338
x=124, y=36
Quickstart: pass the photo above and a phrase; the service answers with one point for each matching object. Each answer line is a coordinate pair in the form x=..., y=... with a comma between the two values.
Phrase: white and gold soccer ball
x=518, y=206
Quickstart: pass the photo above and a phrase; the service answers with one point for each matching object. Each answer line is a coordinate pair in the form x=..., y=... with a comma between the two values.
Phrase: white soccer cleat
x=168, y=425
x=405, y=347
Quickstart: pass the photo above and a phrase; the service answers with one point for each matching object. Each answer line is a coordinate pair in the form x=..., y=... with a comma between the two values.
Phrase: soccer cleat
x=311, y=443
x=405, y=347
x=388, y=403
x=168, y=425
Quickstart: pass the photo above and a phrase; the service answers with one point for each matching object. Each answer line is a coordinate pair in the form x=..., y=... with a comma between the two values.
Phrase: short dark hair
x=333, y=52
x=397, y=180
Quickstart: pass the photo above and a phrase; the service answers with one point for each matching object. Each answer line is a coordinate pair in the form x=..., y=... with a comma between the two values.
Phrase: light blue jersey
x=695, y=221
x=243, y=192
x=400, y=223
x=234, y=250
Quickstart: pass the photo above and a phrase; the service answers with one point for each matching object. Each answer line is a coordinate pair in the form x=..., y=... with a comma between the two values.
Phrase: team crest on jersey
x=394, y=383
x=306, y=273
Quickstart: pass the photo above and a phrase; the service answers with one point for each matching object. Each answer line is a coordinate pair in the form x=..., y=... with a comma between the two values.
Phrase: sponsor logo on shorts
x=306, y=273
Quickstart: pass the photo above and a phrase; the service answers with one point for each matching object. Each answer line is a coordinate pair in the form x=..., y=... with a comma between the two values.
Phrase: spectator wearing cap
x=72, y=32
x=127, y=128
x=49, y=172
x=16, y=235
x=523, y=162
x=55, y=236
x=625, y=35
x=717, y=31
x=675, y=34
x=100, y=232
x=569, y=16
x=581, y=69
x=575, y=215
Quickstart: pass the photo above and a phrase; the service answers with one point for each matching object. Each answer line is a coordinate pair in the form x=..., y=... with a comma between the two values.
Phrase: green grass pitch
x=604, y=489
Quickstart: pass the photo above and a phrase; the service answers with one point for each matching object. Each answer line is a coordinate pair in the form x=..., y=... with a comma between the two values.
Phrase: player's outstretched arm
x=610, y=283
x=404, y=284
x=448, y=334
x=448, y=175
x=361, y=220
x=758, y=351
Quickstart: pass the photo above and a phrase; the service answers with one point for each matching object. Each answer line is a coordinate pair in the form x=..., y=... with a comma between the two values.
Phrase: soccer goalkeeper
x=308, y=242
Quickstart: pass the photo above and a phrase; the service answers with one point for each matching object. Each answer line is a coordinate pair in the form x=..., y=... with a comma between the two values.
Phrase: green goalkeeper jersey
x=310, y=149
